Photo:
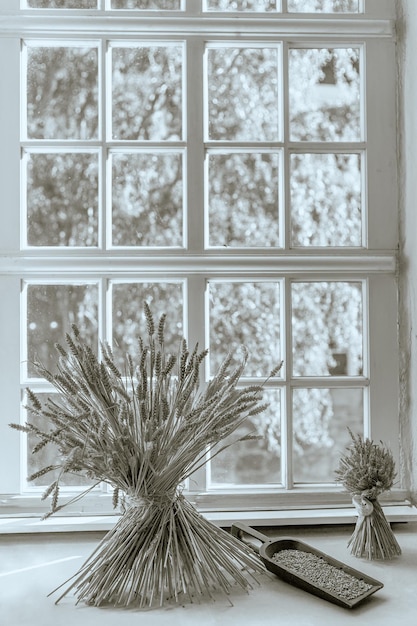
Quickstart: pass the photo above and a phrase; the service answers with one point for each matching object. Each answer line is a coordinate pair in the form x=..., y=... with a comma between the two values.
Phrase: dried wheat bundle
x=144, y=432
x=366, y=471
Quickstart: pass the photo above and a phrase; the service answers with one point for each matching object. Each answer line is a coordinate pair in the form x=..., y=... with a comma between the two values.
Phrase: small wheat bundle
x=144, y=433
x=366, y=471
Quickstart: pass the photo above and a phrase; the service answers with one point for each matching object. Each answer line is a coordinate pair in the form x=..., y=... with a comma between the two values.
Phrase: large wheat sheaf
x=145, y=431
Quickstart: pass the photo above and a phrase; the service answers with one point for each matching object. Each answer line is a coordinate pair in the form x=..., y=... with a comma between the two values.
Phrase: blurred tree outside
x=245, y=203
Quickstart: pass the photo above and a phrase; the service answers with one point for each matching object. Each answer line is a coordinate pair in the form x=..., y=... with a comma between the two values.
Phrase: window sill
x=301, y=517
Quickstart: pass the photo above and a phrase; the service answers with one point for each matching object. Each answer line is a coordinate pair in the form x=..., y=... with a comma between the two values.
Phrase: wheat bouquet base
x=161, y=553
x=373, y=537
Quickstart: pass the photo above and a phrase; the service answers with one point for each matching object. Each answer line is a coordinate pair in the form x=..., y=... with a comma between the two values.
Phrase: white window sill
x=302, y=517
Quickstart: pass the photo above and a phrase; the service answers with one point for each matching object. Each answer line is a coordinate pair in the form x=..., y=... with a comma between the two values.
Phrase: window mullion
x=10, y=466
x=383, y=366
x=10, y=285
x=285, y=126
x=194, y=197
x=286, y=426
x=194, y=323
x=193, y=7
x=379, y=8
x=9, y=133
x=381, y=151
x=103, y=193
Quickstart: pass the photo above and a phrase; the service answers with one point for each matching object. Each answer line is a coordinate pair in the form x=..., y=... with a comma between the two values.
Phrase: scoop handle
x=239, y=529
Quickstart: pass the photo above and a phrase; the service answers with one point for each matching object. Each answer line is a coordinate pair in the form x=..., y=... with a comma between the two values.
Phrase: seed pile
x=321, y=573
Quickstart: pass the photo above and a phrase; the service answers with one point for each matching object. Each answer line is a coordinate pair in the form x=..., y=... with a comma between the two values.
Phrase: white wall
x=407, y=144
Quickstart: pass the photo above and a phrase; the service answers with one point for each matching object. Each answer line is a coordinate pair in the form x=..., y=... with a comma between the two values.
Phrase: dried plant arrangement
x=366, y=471
x=144, y=432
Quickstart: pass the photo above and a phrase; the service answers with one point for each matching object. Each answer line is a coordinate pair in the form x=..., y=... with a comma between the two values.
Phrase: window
x=238, y=174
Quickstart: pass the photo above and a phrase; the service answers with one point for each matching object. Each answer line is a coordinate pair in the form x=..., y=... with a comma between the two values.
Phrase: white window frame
x=376, y=266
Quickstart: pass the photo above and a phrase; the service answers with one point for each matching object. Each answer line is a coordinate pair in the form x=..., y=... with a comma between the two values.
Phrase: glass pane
x=51, y=309
x=320, y=421
x=242, y=5
x=243, y=94
x=62, y=4
x=48, y=455
x=256, y=461
x=323, y=6
x=147, y=199
x=326, y=200
x=147, y=93
x=62, y=199
x=327, y=323
x=128, y=316
x=243, y=199
x=147, y=5
x=245, y=314
x=324, y=92
x=62, y=93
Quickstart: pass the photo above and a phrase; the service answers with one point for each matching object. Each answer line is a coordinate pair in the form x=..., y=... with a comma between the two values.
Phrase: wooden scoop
x=269, y=547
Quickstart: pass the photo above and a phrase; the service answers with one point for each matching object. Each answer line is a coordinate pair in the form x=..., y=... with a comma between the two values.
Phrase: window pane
x=327, y=323
x=320, y=421
x=245, y=314
x=243, y=199
x=62, y=199
x=51, y=309
x=326, y=200
x=147, y=93
x=243, y=94
x=147, y=5
x=256, y=461
x=48, y=455
x=147, y=199
x=62, y=4
x=324, y=92
x=129, y=321
x=323, y=6
x=62, y=93
x=242, y=5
